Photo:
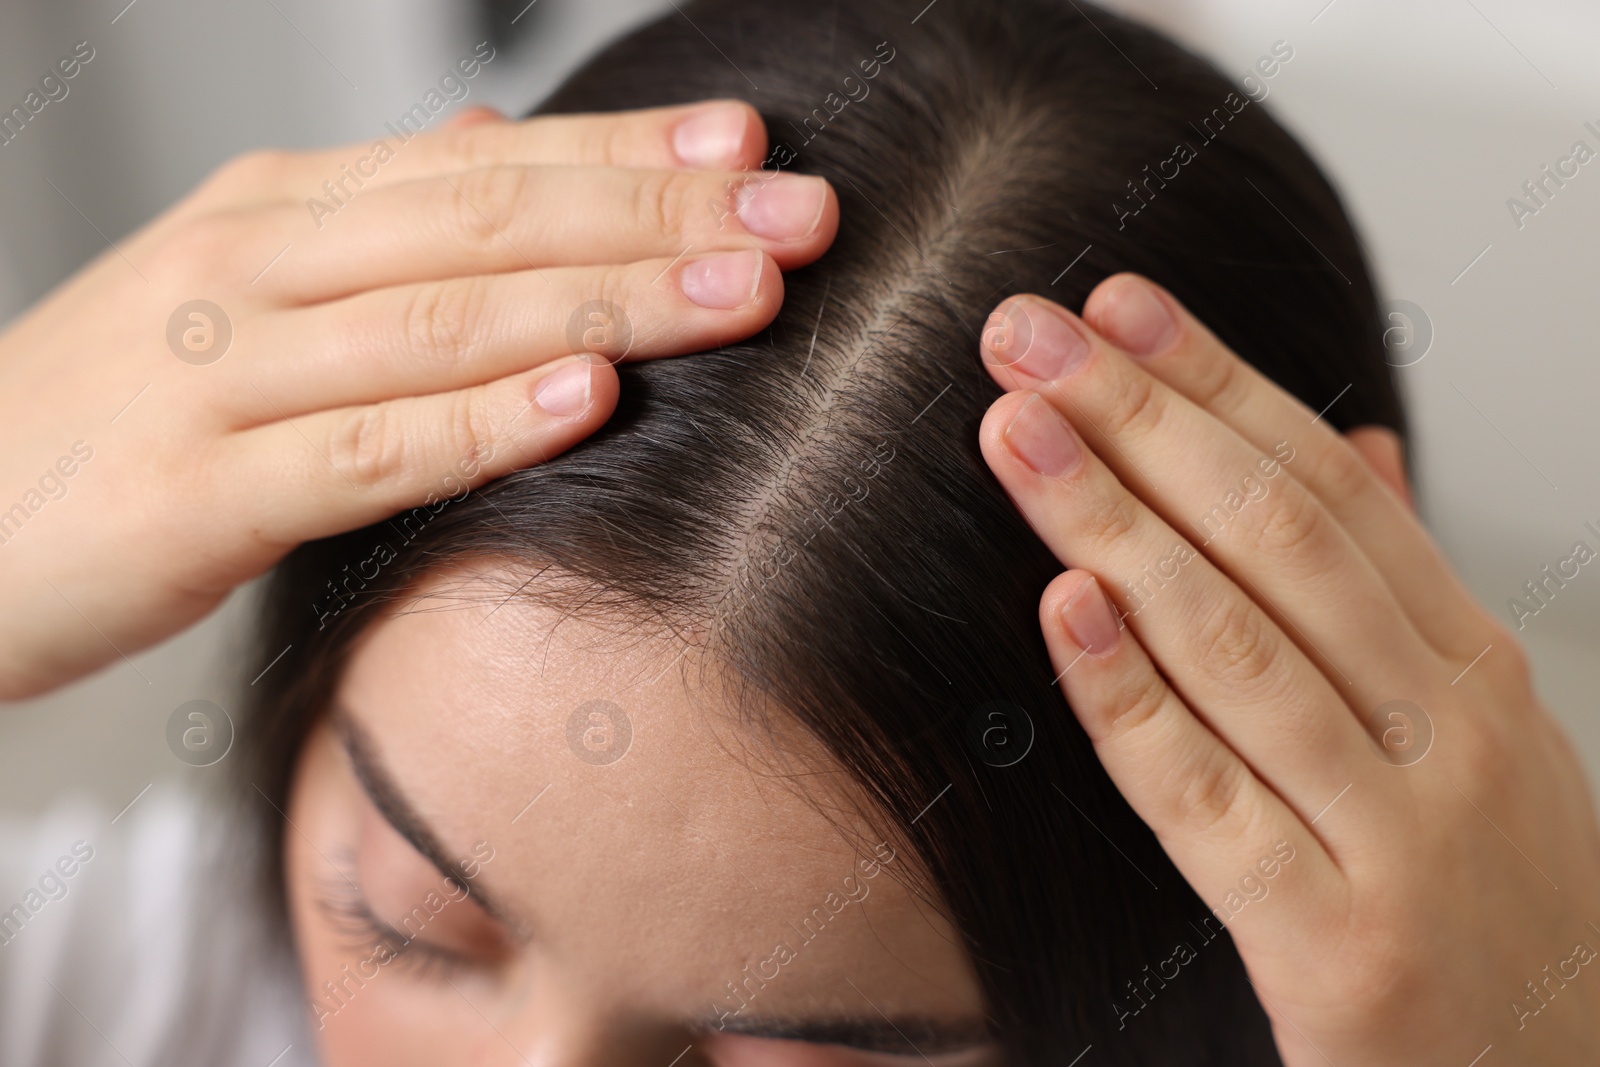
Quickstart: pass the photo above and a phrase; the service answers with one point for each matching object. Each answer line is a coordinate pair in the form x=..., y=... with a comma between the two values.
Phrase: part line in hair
x=897, y=229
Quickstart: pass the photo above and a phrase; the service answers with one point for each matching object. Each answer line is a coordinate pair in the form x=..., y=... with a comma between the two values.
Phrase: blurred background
x=1428, y=114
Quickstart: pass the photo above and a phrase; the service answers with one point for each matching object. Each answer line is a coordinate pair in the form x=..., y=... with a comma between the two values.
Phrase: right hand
x=381, y=357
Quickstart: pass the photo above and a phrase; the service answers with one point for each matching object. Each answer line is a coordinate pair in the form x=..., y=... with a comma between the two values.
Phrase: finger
x=474, y=116
x=321, y=474
x=521, y=218
x=716, y=135
x=1214, y=818
x=1265, y=530
x=1143, y=318
x=1384, y=454
x=1225, y=658
x=446, y=335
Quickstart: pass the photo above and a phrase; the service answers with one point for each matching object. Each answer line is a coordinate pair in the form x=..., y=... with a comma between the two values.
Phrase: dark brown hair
x=815, y=495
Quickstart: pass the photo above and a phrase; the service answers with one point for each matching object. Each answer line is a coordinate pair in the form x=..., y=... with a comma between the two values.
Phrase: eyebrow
x=911, y=1035
x=398, y=812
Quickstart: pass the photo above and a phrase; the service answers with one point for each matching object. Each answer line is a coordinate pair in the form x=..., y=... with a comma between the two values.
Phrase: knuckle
x=1137, y=409
x=486, y=202
x=369, y=446
x=1237, y=645
x=250, y=172
x=440, y=319
x=196, y=247
x=1480, y=759
x=1212, y=793
x=468, y=430
x=660, y=200
x=1341, y=474
x=1138, y=705
x=1218, y=382
x=1506, y=664
x=1113, y=520
x=471, y=149
x=1296, y=528
x=609, y=143
x=612, y=285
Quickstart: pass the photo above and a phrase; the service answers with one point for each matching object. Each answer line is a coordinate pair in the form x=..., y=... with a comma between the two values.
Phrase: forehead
x=655, y=839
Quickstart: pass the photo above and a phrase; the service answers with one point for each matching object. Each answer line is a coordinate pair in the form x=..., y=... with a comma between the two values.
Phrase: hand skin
x=384, y=357
x=1229, y=706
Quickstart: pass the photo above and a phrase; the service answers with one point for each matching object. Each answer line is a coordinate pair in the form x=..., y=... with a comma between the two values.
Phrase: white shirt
x=140, y=943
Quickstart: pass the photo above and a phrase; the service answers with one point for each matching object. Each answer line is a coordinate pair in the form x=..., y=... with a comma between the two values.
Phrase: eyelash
x=347, y=909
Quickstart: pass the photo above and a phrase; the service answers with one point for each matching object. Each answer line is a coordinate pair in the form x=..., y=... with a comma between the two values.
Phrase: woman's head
x=737, y=717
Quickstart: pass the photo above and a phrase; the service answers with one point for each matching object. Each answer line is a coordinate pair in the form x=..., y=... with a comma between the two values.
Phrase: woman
x=731, y=736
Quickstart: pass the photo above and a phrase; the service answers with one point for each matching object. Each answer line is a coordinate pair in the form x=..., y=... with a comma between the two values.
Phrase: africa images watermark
x=1541, y=189
x=52, y=485
x=1553, y=577
x=1566, y=970
x=749, y=985
x=1213, y=523
x=52, y=89
x=1252, y=888
x=452, y=88
x=53, y=885
x=389, y=940
x=771, y=563
x=780, y=155
x=354, y=578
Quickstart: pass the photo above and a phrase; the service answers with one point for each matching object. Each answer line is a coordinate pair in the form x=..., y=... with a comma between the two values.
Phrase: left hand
x=1390, y=909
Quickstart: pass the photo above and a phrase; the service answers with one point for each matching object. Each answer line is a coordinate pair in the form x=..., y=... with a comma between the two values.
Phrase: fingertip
x=1076, y=610
x=828, y=221
x=1005, y=336
x=476, y=115
x=580, y=389
x=1135, y=314
x=992, y=428
x=769, y=292
x=605, y=387
x=720, y=135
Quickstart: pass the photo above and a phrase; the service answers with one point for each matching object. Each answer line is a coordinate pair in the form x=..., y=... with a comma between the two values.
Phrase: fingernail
x=784, y=207
x=1042, y=343
x=711, y=137
x=1138, y=320
x=726, y=280
x=1089, y=619
x=1041, y=438
x=566, y=391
